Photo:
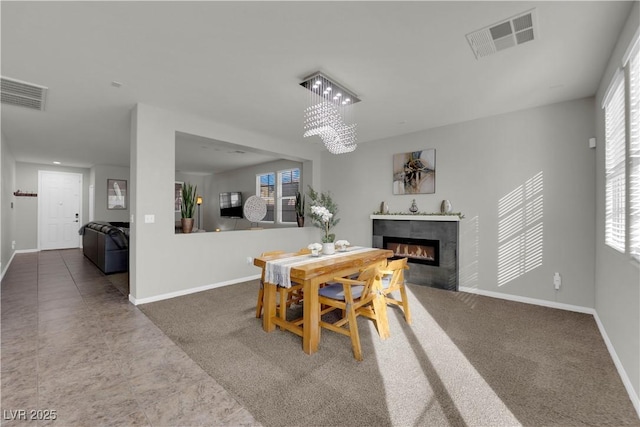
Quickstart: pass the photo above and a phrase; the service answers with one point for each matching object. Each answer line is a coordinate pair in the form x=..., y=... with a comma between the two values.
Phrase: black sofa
x=106, y=244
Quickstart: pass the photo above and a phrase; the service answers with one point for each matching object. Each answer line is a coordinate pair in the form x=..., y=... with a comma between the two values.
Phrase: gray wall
x=7, y=211
x=159, y=256
x=26, y=208
x=478, y=163
x=99, y=176
x=617, y=282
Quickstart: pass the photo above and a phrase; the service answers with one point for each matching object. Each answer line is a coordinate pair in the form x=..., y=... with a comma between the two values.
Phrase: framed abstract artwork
x=415, y=172
x=116, y=194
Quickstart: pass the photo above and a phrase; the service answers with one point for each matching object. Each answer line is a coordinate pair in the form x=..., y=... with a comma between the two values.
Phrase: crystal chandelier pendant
x=330, y=109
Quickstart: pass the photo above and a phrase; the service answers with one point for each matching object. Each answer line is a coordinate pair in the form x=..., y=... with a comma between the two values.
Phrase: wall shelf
x=23, y=194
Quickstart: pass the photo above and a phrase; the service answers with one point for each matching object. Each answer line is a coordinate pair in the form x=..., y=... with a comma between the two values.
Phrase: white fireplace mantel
x=455, y=218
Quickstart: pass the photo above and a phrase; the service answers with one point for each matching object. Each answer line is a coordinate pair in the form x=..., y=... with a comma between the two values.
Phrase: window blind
x=634, y=152
x=614, y=105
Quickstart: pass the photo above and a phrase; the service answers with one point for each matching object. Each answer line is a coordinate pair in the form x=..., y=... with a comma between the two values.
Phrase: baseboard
x=19, y=251
x=27, y=251
x=138, y=301
x=6, y=267
x=635, y=400
x=526, y=300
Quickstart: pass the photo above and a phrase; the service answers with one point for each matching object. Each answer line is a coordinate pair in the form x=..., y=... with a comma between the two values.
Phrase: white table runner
x=278, y=271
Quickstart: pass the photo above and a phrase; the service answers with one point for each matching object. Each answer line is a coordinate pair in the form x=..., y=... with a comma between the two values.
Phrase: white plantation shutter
x=614, y=103
x=634, y=152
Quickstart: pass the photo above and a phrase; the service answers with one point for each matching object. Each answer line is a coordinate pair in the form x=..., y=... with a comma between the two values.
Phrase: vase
x=187, y=225
x=414, y=207
x=300, y=221
x=384, y=208
x=445, y=207
x=328, y=248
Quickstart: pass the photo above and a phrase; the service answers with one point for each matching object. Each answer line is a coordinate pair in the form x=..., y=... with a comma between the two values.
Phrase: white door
x=59, y=216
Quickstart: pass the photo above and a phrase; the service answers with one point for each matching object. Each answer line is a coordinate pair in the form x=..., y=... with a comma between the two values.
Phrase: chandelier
x=330, y=113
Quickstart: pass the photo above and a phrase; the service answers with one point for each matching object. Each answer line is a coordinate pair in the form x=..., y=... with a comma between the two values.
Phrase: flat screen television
x=231, y=204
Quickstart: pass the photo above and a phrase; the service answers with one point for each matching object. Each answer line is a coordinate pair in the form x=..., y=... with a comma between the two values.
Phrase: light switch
x=149, y=219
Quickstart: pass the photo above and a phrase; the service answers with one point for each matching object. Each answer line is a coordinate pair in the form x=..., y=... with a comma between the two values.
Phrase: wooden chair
x=287, y=296
x=393, y=280
x=261, y=290
x=292, y=295
x=354, y=298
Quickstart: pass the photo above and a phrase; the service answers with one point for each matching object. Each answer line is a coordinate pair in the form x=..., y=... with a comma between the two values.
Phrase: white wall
x=478, y=163
x=7, y=204
x=159, y=257
x=617, y=291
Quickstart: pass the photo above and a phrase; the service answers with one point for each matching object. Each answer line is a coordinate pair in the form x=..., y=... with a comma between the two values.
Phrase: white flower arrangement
x=341, y=245
x=322, y=213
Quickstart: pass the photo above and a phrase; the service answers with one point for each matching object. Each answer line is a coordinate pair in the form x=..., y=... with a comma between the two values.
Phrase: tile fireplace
x=430, y=242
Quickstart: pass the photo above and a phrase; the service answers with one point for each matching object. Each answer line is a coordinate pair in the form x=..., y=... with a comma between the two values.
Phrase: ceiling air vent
x=503, y=35
x=22, y=94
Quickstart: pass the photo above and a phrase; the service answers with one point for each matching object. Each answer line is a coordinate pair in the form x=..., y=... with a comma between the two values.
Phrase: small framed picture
x=116, y=194
x=177, y=195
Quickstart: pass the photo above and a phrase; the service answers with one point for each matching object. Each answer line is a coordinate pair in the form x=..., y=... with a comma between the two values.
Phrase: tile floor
x=72, y=343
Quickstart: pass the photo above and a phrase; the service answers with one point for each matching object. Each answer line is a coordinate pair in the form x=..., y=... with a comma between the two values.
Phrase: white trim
x=18, y=251
x=408, y=217
x=618, y=76
x=635, y=400
x=527, y=300
x=6, y=268
x=634, y=41
x=183, y=292
x=27, y=251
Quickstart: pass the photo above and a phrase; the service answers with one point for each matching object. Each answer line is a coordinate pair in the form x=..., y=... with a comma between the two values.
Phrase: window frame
x=632, y=66
x=281, y=198
x=614, y=105
x=623, y=163
x=278, y=198
x=266, y=199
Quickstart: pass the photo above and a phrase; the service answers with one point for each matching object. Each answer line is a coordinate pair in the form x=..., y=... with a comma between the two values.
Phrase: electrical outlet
x=13, y=244
x=249, y=260
x=557, y=281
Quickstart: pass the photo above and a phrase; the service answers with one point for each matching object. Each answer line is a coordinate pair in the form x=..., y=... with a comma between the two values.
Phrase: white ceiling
x=242, y=62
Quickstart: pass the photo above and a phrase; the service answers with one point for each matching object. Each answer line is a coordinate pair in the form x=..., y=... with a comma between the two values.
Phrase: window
x=288, y=186
x=280, y=194
x=622, y=155
x=634, y=152
x=266, y=190
x=615, y=174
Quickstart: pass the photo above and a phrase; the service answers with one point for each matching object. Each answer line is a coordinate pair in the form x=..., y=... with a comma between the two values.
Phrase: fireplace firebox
x=418, y=251
x=429, y=242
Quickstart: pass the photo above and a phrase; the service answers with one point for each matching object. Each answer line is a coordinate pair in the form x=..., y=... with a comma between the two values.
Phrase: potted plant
x=300, y=209
x=323, y=214
x=188, y=206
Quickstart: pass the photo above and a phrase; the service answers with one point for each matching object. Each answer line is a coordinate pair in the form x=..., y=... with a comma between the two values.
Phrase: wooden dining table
x=311, y=275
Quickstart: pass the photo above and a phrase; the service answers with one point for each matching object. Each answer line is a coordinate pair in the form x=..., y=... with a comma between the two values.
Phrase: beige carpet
x=465, y=360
